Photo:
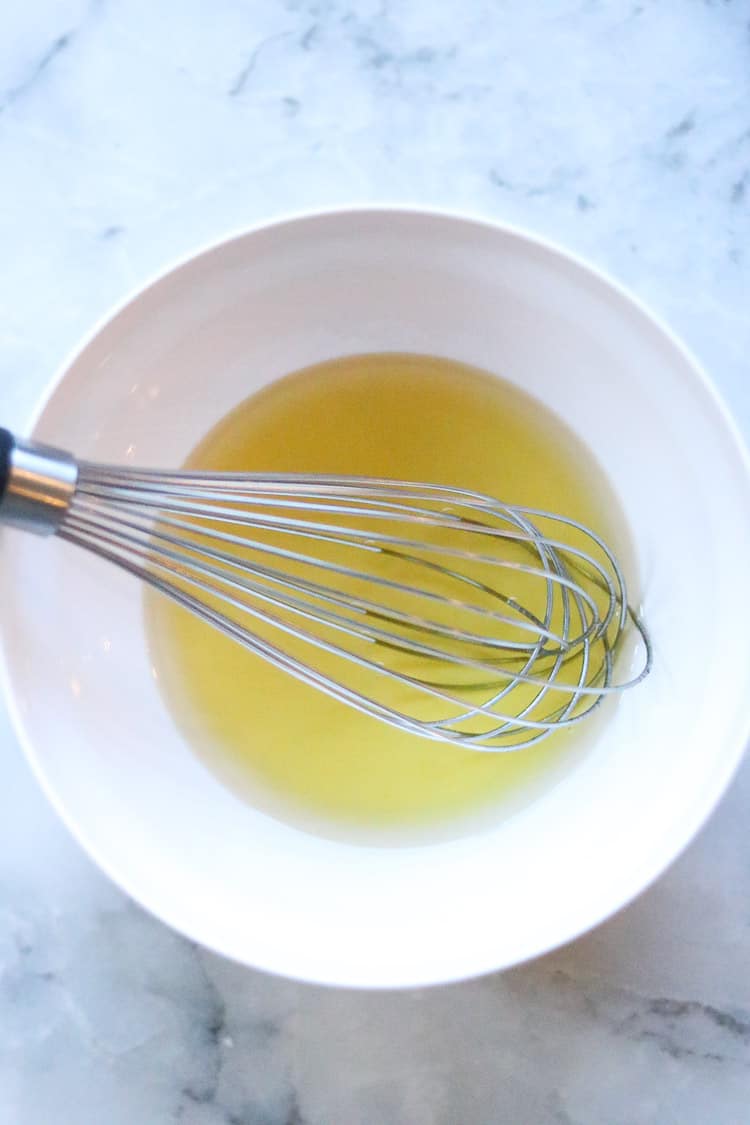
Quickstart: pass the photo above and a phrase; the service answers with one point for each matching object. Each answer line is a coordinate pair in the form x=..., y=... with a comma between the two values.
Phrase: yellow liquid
x=286, y=747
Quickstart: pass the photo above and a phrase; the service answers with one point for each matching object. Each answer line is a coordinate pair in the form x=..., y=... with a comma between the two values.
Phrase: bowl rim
x=735, y=441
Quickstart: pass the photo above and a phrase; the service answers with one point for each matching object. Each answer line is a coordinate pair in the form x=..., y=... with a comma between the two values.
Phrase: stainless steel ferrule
x=37, y=484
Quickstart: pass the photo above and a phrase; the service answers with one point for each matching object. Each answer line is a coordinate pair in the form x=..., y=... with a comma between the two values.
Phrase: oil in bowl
x=293, y=751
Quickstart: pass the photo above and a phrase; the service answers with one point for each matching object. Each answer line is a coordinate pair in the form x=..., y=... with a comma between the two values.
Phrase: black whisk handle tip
x=7, y=441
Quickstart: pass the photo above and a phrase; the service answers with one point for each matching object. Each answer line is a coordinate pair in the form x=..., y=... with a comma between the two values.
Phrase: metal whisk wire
x=390, y=596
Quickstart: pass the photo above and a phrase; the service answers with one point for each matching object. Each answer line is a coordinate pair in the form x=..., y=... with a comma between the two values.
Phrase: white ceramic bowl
x=150, y=382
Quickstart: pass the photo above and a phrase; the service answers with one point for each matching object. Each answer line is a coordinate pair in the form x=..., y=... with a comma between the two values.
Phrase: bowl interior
x=154, y=379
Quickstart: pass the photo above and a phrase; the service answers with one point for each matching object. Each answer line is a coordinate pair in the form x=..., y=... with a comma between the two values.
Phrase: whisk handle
x=6, y=445
x=37, y=484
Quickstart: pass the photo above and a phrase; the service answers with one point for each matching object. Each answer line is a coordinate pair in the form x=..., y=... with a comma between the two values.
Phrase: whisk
x=438, y=610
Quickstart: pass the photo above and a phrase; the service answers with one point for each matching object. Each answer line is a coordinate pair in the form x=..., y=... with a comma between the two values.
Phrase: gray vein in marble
x=241, y=80
x=560, y=180
x=680, y=1028
x=380, y=58
x=739, y=188
x=684, y=126
x=291, y=106
x=310, y=37
x=213, y=1023
x=15, y=93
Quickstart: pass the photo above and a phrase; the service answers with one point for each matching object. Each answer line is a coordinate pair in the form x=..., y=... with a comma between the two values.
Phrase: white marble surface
x=130, y=131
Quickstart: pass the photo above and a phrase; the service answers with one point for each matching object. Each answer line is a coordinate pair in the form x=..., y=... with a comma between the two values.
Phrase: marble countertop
x=129, y=133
